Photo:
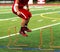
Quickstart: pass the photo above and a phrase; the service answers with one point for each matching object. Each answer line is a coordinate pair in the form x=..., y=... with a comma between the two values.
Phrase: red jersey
x=22, y=3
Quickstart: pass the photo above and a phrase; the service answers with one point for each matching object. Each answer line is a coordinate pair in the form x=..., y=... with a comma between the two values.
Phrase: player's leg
x=26, y=25
x=23, y=28
x=25, y=15
x=29, y=15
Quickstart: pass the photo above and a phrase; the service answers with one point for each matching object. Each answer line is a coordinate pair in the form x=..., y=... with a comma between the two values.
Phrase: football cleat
x=23, y=33
x=28, y=30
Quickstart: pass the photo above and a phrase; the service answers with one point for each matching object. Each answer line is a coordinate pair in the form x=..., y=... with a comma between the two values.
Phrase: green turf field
x=42, y=17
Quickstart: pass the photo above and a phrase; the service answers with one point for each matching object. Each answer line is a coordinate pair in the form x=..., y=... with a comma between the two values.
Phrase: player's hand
x=28, y=9
x=18, y=13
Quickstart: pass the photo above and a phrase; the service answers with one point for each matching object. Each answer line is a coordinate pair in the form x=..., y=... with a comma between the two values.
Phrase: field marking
x=54, y=20
x=15, y=17
x=42, y=15
x=5, y=12
x=38, y=8
x=32, y=30
x=40, y=20
x=44, y=9
x=8, y=19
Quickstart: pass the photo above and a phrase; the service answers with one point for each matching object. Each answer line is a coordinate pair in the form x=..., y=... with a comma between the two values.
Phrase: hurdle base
x=55, y=47
x=21, y=45
x=15, y=48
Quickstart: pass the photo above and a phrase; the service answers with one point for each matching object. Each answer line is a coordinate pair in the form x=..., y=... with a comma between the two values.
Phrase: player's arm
x=27, y=7
x=16, y=7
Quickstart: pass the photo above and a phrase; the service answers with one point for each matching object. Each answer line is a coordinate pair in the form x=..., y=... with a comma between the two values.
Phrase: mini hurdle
x=52, y=39
x=15, y=46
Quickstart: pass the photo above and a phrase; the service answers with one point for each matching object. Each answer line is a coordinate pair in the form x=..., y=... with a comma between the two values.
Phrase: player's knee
x=27, y=18
x=29, y=15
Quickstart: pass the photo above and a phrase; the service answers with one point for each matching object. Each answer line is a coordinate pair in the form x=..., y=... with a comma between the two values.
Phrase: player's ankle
x=23, y=28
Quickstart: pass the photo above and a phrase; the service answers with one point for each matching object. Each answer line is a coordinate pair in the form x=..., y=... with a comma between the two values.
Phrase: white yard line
x=43, y=9
x=8, y=19
x=42, y=15
x=38, y=8
x=15, y=18
x=5, y=12
x=49, y=12
x=32, y=30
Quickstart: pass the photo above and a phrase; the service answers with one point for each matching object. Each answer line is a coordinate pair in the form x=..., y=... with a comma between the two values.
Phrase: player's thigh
x=24, y=14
